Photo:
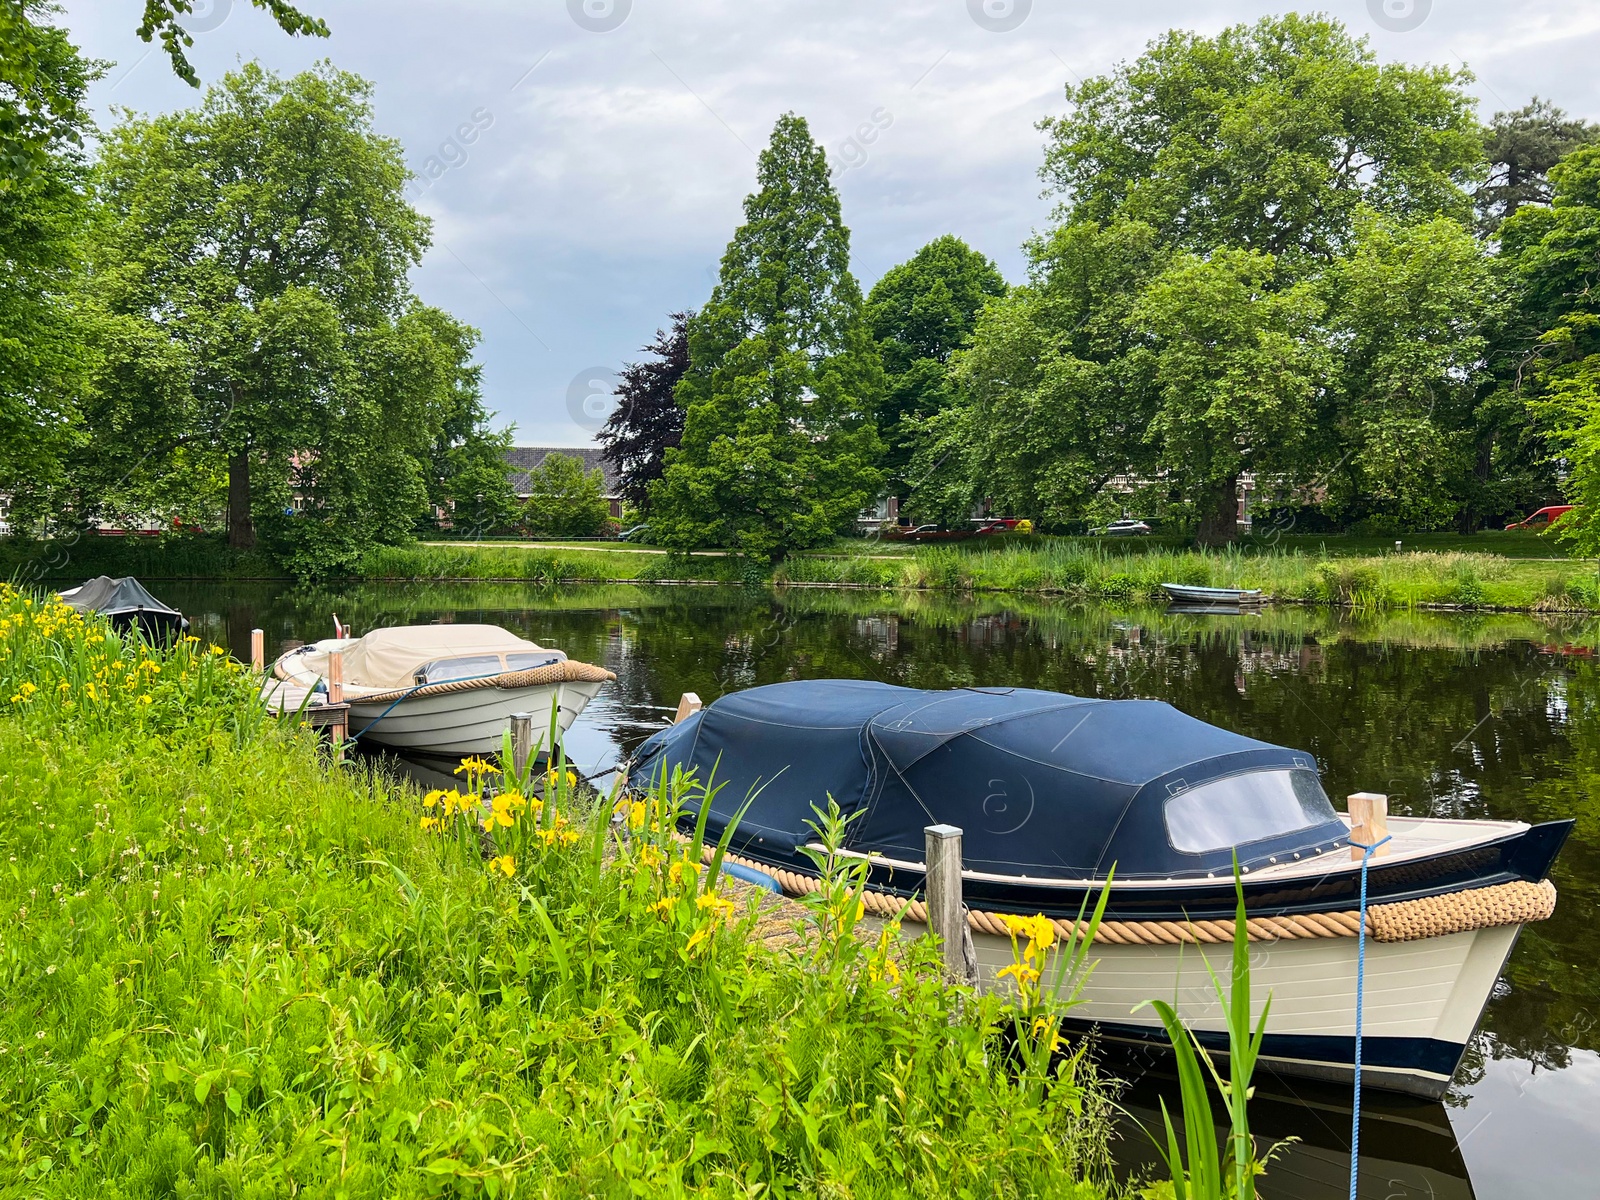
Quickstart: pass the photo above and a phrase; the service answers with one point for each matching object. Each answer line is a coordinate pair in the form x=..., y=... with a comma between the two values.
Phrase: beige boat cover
x=389, y=658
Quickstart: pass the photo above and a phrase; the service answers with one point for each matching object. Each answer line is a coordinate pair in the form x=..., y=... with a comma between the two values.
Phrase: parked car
x=1127, y=527
x=1543, y=518
x=634, y=533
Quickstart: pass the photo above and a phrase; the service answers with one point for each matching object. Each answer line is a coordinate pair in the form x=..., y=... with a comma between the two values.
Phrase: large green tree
x=1241, y=285
x=1521, y=147
x=779, y=445
x=1399, y=435
x=1051, y=407
x=564, y=500
x=1554, y=254
x=43, y=80
x=250, y=271
x=1269, y=137
x=1234, y=372
x=648, y=421
x=921, y=312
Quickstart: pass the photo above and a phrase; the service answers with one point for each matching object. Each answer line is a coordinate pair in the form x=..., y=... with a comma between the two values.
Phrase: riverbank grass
x=234, y=970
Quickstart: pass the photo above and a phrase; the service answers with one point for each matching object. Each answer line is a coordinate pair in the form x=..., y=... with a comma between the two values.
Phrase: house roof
x=524, y=459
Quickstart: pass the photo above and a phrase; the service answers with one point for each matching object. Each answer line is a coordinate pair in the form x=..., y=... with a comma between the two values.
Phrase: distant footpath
x=1500, y=571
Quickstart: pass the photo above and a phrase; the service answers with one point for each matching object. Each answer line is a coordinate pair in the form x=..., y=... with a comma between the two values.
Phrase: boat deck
x=297, y=701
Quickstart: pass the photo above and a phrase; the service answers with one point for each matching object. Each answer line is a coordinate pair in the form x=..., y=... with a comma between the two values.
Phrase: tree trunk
x=1219, y=514
x=241, y=529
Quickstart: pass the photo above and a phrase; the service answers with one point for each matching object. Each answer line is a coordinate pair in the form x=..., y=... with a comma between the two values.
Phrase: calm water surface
x=1487, y=716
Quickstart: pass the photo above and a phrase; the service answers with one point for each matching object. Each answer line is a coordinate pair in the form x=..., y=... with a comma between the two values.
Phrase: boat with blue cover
x=1058, y=794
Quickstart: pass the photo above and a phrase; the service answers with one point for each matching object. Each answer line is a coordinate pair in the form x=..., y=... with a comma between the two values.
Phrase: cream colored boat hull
x=471, y=721
x=1422, y=999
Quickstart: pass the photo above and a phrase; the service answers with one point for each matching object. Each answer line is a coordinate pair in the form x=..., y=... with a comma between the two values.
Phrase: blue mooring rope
x=1361, y=982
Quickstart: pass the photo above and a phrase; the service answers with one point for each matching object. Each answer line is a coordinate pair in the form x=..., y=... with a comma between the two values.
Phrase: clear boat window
x=527, y=662
x=443, y=670
x=1246, y=808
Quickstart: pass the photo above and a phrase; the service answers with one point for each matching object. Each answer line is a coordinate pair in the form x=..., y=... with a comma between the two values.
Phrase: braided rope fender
x=565, y=671
x=1407, y=921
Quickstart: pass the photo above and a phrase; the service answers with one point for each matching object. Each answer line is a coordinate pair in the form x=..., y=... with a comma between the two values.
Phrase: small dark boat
x=1052, y=792
x=1185, y=593
x=126, y=604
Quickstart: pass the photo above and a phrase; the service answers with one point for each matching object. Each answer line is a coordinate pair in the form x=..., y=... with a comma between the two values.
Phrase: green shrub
x=1118, y=586
x=1344, y=582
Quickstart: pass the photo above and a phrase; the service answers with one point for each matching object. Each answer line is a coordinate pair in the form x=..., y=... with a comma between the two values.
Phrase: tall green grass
x=1096, y=570
x=234, y=970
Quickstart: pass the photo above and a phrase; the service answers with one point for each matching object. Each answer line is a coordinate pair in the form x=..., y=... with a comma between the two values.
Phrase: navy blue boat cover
x=1042, y=784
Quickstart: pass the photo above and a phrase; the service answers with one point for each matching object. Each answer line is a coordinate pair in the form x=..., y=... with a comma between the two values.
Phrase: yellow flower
x=499, y=814
x=429, y=824
x=649, y=858
x=432, y=799
x=716, y=905
x=1025, y=975
x=475, y=765
x=676, y=870
x=664, y=906
x=146, y=699
x=699, y=938
x=505, y=864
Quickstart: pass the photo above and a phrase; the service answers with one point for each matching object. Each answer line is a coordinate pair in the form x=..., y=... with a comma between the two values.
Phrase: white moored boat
x=446, y=689
x=1057, y=795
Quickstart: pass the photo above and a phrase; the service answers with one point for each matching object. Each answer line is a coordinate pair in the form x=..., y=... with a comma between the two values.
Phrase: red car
x=1544, y=518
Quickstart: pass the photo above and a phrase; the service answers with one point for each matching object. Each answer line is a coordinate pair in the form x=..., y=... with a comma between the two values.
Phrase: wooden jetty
x=321, y=710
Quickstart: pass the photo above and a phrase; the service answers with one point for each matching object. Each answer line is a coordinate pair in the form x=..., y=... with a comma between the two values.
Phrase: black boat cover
x=1042, y=784
x=124, y=601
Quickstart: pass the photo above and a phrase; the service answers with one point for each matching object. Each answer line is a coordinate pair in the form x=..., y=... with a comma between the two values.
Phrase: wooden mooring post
x=1369, y=823
x=688, y=705
x=521, y=744
x=947, y=915
x=339, y=728
x=258, y=651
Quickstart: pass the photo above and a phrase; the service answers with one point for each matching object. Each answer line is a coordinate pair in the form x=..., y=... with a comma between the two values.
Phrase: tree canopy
x=1264, y=268
x=921, y=312
x=1268, y=137
x=253, y=317
x=43, y=120
x=565, y=500
x=779, y=447
x=1522, y=146
x=1552, y=253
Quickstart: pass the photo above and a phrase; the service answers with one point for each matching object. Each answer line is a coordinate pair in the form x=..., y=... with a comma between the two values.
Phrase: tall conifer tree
x=779, y=445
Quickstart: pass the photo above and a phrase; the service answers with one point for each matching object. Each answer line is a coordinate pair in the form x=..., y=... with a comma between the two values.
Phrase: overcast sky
x=612, y=141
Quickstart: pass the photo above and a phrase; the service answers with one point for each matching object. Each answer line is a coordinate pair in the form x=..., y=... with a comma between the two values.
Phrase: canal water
x=1459, y=716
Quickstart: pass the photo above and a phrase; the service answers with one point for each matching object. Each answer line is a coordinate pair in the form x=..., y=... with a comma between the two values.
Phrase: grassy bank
x=233, y=971
x=1101, y=572
x=1078, y=569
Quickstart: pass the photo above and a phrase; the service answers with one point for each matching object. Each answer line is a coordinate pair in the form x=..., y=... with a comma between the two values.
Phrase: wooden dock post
x=340, y=728
x=521, y=744
x=258, y=651
x=1369, y=823
x=688, y=705
x=947, y=916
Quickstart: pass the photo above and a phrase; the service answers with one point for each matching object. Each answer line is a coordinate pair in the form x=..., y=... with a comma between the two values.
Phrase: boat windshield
x=443, y=670
x=1246, y=808
x=529, y=662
